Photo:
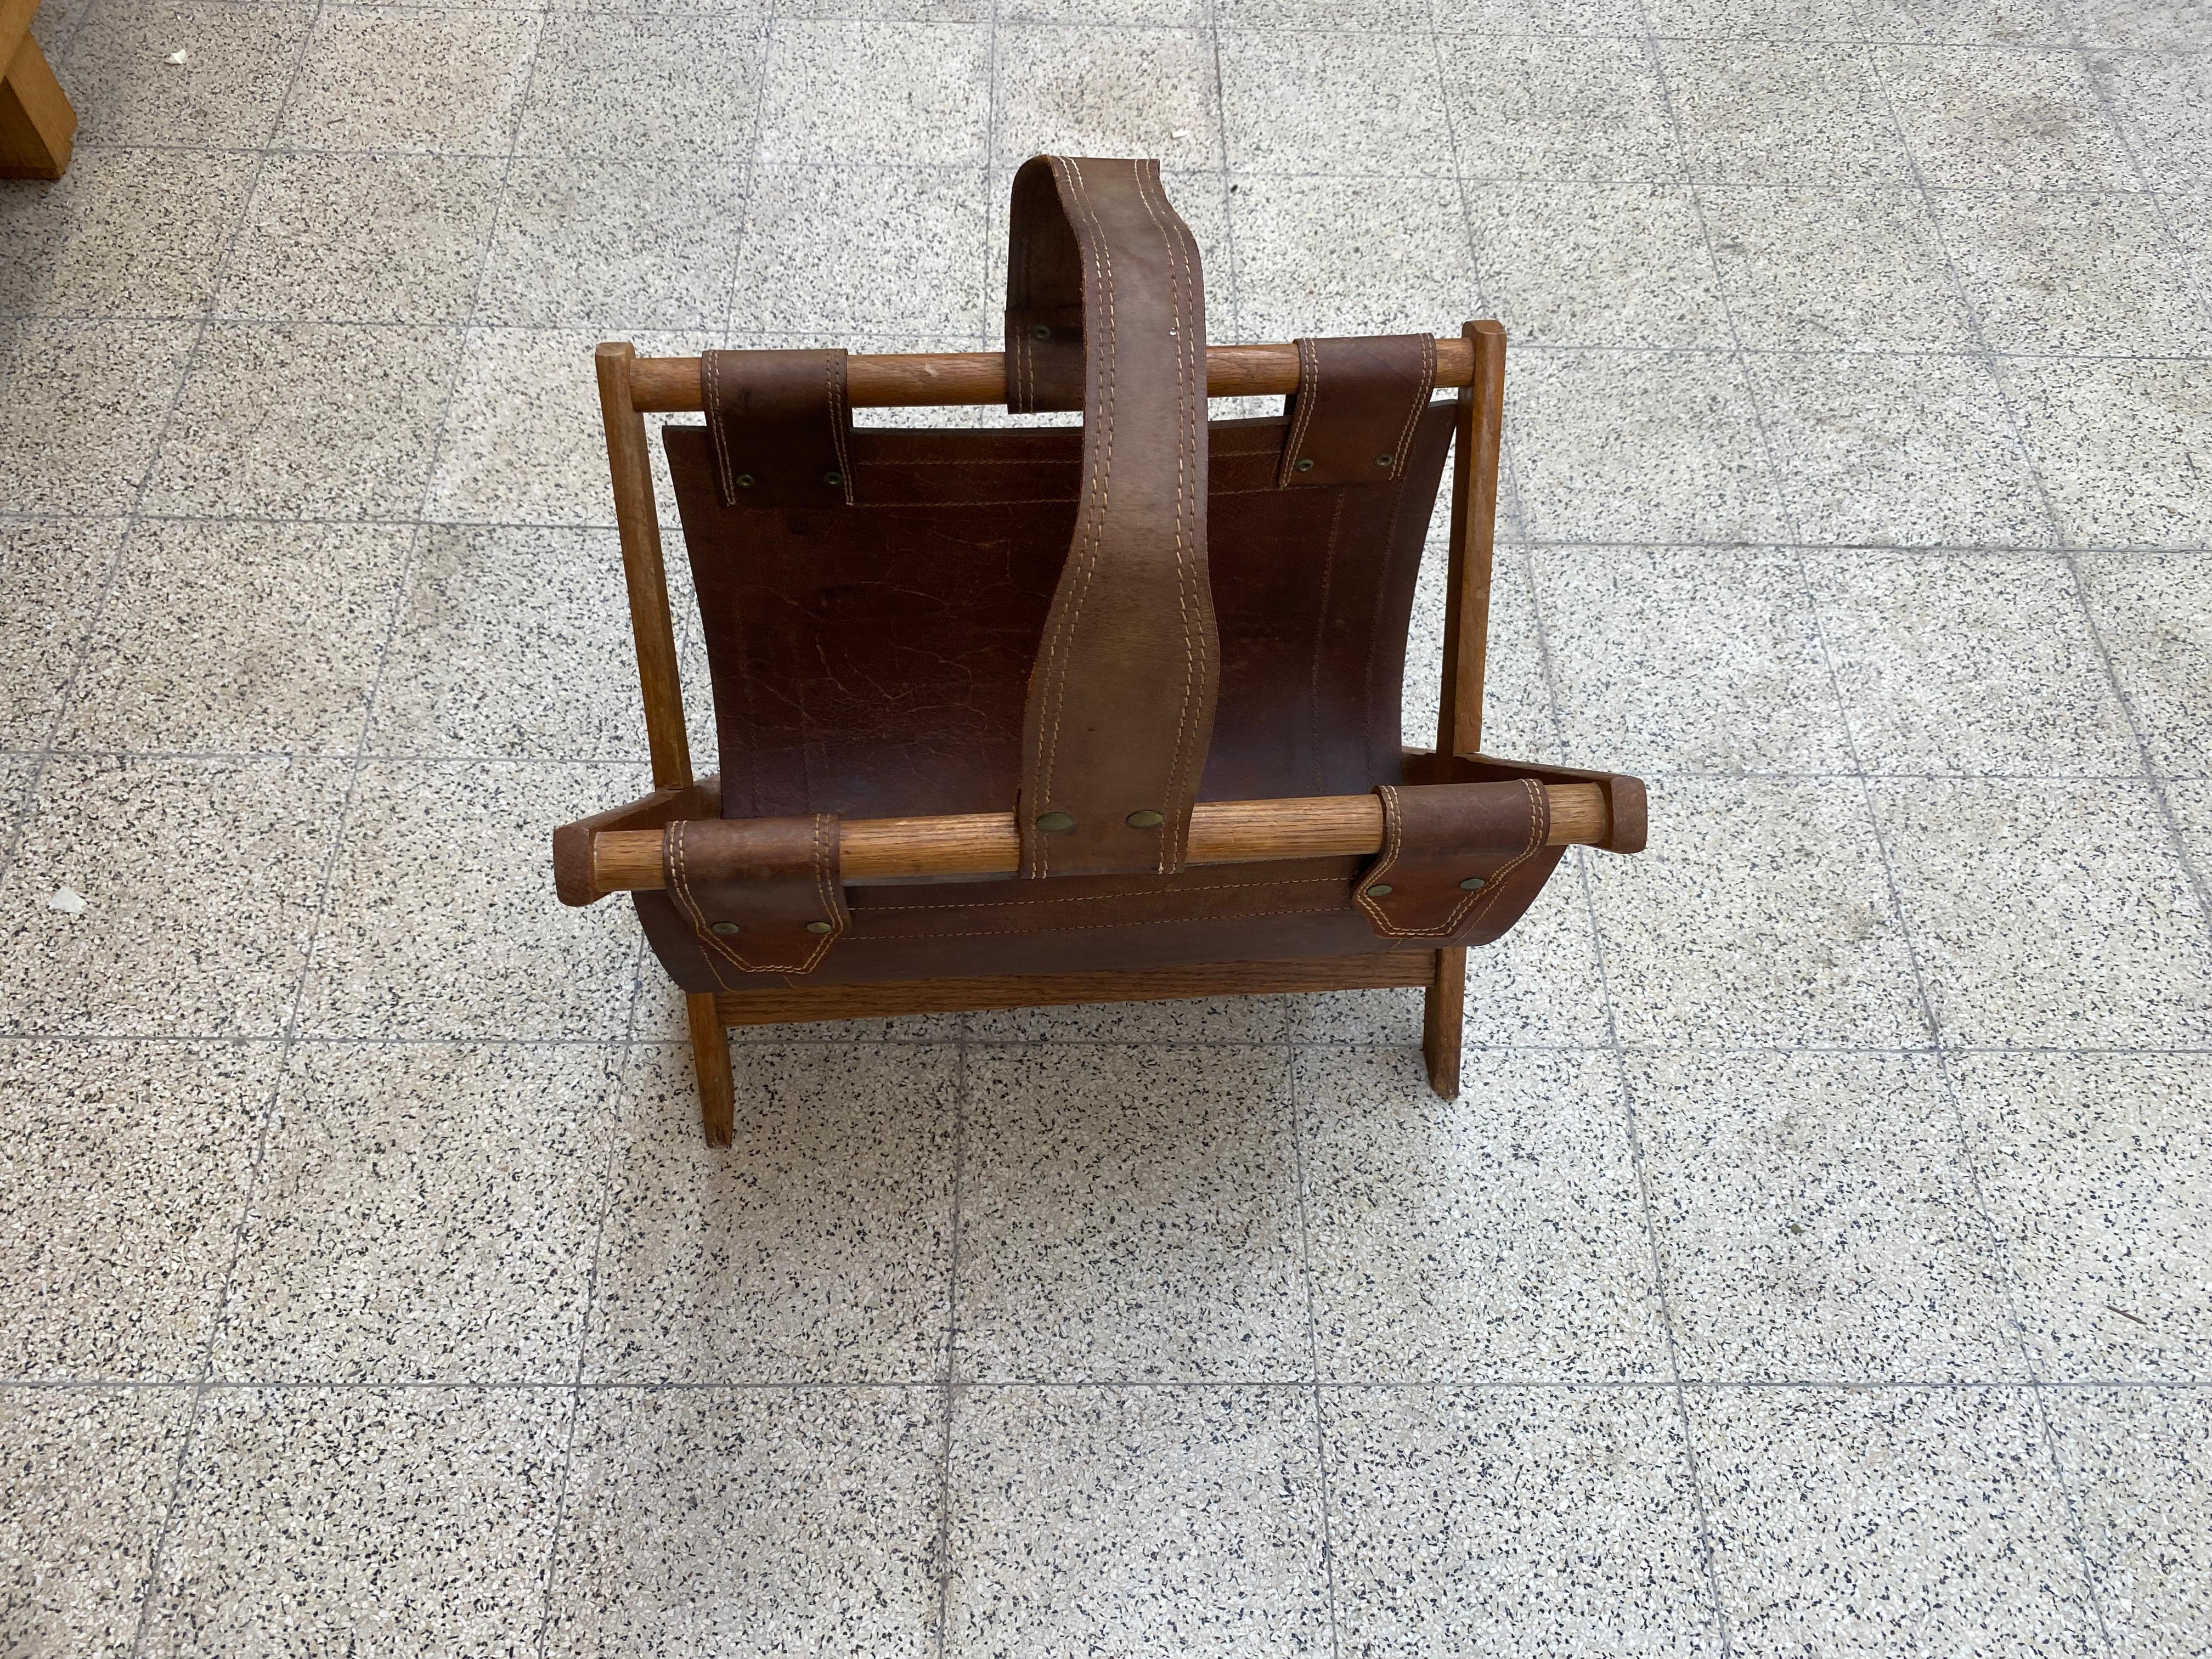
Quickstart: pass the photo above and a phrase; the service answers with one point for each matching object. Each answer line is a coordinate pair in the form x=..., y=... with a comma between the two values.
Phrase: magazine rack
x=1047, y=714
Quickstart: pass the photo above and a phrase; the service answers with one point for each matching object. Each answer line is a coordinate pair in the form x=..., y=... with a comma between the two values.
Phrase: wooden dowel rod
x=661, y=385
x=987, y=844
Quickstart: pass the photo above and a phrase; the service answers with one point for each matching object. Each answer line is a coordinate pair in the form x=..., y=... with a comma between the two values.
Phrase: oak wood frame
x=631, y=386
x=37, y=123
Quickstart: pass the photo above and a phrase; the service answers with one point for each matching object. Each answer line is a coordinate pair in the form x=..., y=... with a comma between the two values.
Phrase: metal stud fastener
x=745, y=481
x=818, y=926
x=1384, y=460
x=1147, y=819
x=1055, y=824
x=1381, y=890
x=833, y=479
x=1306, y=465
x=725, y=928
x=1472, y=884
x=1040, y=331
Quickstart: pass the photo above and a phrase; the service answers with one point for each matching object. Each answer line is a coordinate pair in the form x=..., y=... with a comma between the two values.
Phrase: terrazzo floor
x=1820, y=1260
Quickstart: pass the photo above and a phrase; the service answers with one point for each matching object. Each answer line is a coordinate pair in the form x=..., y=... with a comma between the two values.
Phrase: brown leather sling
x=1098, y=628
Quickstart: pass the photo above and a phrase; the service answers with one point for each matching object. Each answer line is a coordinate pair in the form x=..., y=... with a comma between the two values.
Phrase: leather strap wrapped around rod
x=779, y=426
x=1102, y=272
x=1450, y=855
x=762, y=895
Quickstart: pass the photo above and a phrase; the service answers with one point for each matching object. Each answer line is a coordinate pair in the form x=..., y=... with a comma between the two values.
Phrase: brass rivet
x=1384, y=460
x=833, y=479
x=818, y=926
x=724, y=927
x=1306, y=465
x=1055, y=824
x=1472, y=884
x=1040, y=331
x=1380, y=890
x=745, y=481
x=1146, y=819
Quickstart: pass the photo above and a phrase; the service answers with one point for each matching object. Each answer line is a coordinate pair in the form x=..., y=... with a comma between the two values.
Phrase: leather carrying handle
x=1106, y=312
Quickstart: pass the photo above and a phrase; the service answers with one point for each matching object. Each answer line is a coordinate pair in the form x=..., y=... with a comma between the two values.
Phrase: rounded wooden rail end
x=987, y=843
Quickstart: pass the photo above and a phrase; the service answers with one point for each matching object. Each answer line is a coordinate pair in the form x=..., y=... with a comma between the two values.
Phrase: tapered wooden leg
x=1441, y=1010
x=710, y=1058
x=36, y=120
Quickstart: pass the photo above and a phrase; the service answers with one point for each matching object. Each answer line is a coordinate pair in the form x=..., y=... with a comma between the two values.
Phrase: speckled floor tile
x=2096, y=1167
x=2159, y=100
x=295, y=419
x=438, y=924
x=200, y=879
x=372, y=239
x=238, y=61
x=1191, y=1019
x=614, y=242
x=523, y=442
x=1888, y=1521
x=1496, y=1237
x=239, y=636
x=2059, y=271
x=817, y=1247
x=1973, y=23
x=1518, y=1520
x=121, y=1191
x=1782, y=113
x=1689, y=660
x=2154, y=616
x=1846, y=269
x=512, y=643
x=1395, y=14
x=1135, y=1521
x=1760, y=916
x=2049, y=913
x=1817, y=1220
x=423, y=1213
x=1618, y=446
x=125, y=233
x=749, y=1520
x=908, y=94
x=1538, y=108
x=52, y=573
x=1367, y=104
x=1537, y=987
x=1327, y=256
x=1753, y=20
x=2119, y=446
x=409, y=1521
x=1597, y=265
x=1979, y=666
x=82, y=1489
x=1107, y=92
x=865, y=248
x=637, y=84
x=1897, y=451
x=1130, y=1214
x=86, y=405
x=2002, y=119
x=409, y=78
x=2137, y=1458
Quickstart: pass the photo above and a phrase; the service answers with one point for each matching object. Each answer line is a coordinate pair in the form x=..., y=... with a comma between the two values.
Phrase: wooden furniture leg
x=710, y=1058
x=1466, y=640
x=36, y=120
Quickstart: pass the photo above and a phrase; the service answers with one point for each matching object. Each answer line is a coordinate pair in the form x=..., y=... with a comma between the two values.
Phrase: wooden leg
x=710, y=1058
x=35, y=116
x=1441, y=1010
